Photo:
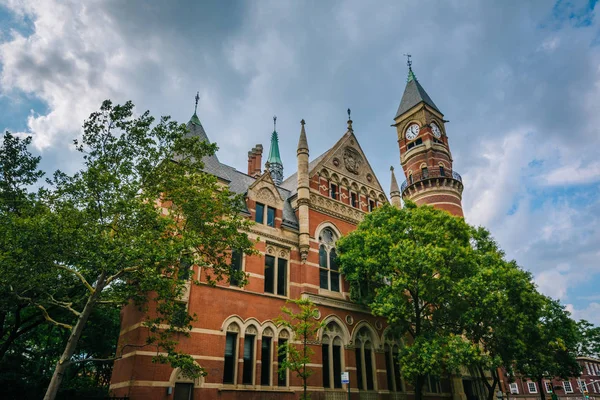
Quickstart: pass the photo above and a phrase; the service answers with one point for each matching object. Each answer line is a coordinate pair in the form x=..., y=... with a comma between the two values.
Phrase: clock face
x=412, y=131
x=436, y=130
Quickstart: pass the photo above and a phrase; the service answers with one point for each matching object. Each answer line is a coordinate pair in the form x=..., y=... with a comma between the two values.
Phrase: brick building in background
x=573, y=388
x=298, y=221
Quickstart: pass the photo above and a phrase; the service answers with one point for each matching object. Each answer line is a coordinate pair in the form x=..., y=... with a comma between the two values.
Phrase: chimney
x=255, y=160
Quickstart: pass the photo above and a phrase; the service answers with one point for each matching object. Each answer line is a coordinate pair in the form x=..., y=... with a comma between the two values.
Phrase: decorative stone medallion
x=336, y=162
x=352, y=160
x=349, y=319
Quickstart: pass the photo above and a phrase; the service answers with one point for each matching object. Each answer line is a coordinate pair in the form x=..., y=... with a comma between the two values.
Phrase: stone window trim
x=329, y=275
x=514, y=388
x=267, y=217
x=365, y=349
x=279, y=253
x=532, y=387
x=332, y=335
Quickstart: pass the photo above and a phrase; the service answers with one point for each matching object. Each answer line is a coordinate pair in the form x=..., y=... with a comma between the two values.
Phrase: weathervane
x=274, y=123
x=408, y=62
x=197, y=98
x=349, y=121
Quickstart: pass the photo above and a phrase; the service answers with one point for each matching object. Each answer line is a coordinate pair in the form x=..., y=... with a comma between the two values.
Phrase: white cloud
x=591, y=312
x=574, y=174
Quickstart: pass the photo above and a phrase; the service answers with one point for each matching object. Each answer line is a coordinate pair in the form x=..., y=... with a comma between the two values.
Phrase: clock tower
x=424, y=151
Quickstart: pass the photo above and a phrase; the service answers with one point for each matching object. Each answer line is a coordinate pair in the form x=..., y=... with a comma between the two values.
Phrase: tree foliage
x=124, y=228
x=447, y=288
x=304, y=327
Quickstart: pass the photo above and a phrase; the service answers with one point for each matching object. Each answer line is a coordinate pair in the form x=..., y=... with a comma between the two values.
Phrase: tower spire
x=394, y=191
x=275, y=165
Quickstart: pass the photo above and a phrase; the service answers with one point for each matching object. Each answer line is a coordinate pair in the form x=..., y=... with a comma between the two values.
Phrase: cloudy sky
x=519, y=81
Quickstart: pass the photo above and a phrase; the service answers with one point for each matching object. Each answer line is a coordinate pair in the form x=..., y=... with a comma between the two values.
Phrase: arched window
x=249, y=355
x=329, y=275
x=231, y=349
x=332, y=351
x=365, y=360
x=392, y=366
x=284, y=337
x=266, y=357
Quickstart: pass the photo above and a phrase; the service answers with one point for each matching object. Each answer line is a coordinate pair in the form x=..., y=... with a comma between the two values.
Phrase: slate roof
x=238, y=182
x=291, y=183
x=413, y=95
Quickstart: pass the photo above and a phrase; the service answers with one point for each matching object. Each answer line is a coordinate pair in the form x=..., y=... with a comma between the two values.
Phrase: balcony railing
x=429, y=174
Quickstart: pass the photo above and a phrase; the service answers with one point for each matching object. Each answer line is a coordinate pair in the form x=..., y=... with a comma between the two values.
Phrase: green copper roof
x=195, y=120
x=411, y=76
x=274, y=157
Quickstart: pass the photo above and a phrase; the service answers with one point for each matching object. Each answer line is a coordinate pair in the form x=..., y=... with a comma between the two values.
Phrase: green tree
x=411, y=266
x=550, y=345
x=138, y=214
x=503, y=300
x=304, y=327
x=589, y=339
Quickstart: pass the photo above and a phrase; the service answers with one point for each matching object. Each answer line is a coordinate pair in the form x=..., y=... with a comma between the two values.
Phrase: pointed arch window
x=230, y=359
x=331, y=350
x=392, y=366
x=365, y=360
x=329, y=274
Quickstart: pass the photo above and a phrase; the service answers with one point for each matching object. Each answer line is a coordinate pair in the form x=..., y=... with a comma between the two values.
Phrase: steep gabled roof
x=413, y=95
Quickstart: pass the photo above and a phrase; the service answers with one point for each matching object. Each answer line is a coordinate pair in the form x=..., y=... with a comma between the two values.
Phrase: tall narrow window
x=396, y=364
x=275, y=275
x=410, y=179
x=265, y=357
x=236, y=267
x=230, y=357
x=354, y=199
x=332, y=356
x=260, y=213
x=269, y=274
x=514, y=388
x=183, y=391
x=329, y=275
x=364, y=360
x=372, y=205
x=271, y=216
x=442, y=171
x=532, y=387
x=333, y=191
x=424, y=173
x=388, y=369
x=281, y=276
x=248, y=373
x=281, y=356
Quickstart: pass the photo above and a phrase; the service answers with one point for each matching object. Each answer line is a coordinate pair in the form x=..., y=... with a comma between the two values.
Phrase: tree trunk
x=63, y=362
x=419, y=387
x=541, y=389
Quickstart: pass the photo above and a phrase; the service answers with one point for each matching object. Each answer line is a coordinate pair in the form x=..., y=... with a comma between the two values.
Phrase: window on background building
x=248, y=356
x=329, y=275
x=549, y=387
x=230, y=357
x=587, y=368
x=531, y=386
x=332, y=356
x=236, y=266
x=354, y=199
x=281, y=356
x=333, y=191
x=275, y=275
x=514, y=388
x=365, y=362
x=567, y=386
x=266, y=357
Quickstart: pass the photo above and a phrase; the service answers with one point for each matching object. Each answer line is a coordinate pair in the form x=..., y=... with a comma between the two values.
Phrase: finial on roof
x=302, y=122
x=302, y=143
x=197, y=98
x=274, y=123
x=349, y=121
x=392, y=168
x=411, y=74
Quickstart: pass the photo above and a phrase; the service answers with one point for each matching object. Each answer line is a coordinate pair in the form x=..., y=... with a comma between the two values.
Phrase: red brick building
x=298, y=221
x=573, y=388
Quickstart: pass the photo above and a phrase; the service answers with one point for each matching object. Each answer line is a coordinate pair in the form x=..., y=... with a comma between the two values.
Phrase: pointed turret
x=303, y=194
x=425, y=152
x=413, y=95
x=395, y=191
x=275, y=165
